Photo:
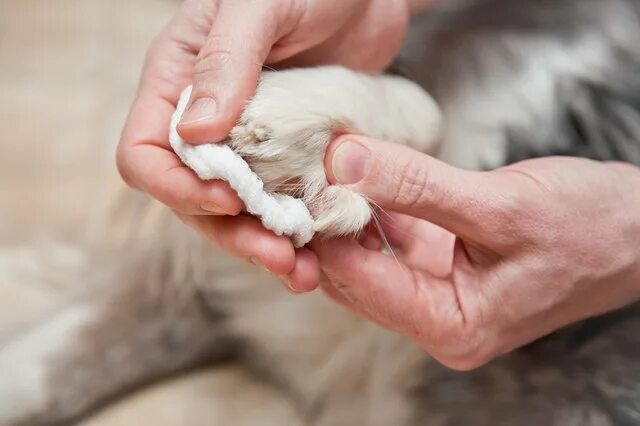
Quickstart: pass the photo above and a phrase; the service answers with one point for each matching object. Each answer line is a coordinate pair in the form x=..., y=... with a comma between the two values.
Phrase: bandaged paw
x=282, y=214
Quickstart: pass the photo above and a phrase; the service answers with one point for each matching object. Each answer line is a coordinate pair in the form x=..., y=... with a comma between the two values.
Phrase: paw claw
x=261, y=134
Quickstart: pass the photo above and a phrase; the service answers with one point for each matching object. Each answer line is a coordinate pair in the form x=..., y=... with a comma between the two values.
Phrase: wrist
x=635, y=197
x=632, y=206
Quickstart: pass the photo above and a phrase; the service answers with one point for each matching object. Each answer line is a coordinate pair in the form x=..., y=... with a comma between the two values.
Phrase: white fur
x=25, y=363
x=297, y=112
x=41, y=277
x=285, y=130
x=279, y=213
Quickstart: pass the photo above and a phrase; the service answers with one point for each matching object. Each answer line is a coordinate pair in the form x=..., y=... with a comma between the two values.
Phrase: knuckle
x=464, y=347
x=411, y=183
x=465, y=354
x=212, y=59
x=159, y=42
x=514, y=206
x=286, y=15
x=124, y=167
x=179, y=200
x=465, y=363
x=157, y=45
x=514, y=214
x=158, y=189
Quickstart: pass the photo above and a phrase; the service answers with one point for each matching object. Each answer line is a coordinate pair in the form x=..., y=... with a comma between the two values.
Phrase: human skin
x=484, y=261
x=220, y=46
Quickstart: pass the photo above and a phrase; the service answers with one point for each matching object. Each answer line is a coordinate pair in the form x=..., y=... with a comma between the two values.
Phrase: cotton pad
x=282, y=214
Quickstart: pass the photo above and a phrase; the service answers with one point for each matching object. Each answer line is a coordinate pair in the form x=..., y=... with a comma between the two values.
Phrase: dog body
x=514, y=79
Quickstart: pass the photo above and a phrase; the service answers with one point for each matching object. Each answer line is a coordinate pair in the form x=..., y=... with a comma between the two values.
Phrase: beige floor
x=68, y=71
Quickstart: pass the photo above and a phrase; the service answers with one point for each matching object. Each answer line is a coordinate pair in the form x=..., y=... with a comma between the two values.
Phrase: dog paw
x=27, y=394
x=285, y=129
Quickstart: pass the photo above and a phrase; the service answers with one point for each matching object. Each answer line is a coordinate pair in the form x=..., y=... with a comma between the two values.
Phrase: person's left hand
x=220, y=46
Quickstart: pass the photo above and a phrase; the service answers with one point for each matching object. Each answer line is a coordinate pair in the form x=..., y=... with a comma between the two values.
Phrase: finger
x=399, y=230
x=418, y=305
x=383, y=288
x=228, y=67
x=161, y=174
x=145, y=159
x=244, y=237
x=305, y=276
x=398, y=178
x=337, y=293
x=419, y=243
x=334, y=294
x=370, y=238
x=429, y=310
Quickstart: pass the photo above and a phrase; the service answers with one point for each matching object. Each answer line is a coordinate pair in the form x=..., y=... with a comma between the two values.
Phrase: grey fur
x=595, y=110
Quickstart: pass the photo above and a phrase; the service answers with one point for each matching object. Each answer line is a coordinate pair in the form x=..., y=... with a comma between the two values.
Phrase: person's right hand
x=485, y=261
x=220, y=46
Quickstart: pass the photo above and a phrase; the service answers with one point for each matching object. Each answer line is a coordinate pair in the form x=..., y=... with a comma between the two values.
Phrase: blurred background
x=68, y=73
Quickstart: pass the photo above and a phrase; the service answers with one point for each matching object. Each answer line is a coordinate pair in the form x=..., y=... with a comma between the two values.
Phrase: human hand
x=220, y=46
x=487, y=261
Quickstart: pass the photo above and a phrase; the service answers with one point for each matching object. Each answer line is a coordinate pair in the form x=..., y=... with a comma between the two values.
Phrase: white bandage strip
x=280, y=213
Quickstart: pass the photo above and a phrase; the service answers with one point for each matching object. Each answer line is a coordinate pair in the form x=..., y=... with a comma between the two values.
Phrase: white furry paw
x=278, y=212
x=286, y=127
x=26, y=393
x=285, y=130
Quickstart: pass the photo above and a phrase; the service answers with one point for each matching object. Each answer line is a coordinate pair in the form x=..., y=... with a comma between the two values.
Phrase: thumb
x=398, y=178
x=228, y=68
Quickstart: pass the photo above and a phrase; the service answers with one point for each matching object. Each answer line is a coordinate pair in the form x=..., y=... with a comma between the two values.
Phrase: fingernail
x=212, y=208
x=256, y=262
x=287, y=281
x=201, y=109
x=351, y=162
